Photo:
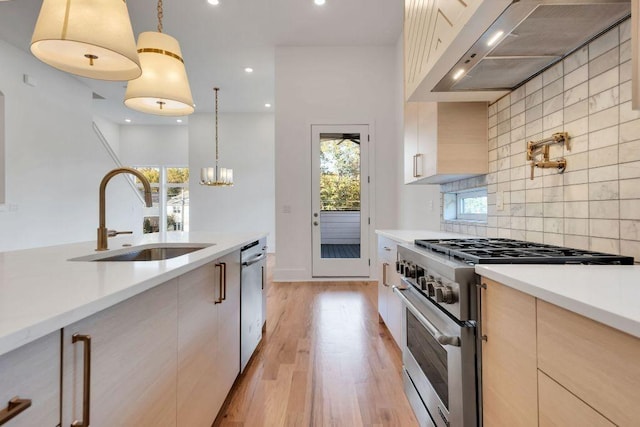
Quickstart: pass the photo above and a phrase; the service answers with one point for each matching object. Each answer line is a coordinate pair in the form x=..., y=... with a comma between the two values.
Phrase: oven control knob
x=399, y=267
x=410, y=271
x=444, y=294
x=431, y=288
x=422, y=281
x=419, y=271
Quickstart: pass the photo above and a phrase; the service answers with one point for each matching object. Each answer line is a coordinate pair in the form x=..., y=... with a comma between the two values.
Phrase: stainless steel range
x=439, y=292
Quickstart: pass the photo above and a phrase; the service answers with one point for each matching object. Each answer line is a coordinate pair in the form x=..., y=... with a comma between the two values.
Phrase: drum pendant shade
x=89, y=38
x=163, y=88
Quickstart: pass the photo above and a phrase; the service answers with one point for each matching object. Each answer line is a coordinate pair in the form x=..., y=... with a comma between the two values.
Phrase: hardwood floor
x=324, y=360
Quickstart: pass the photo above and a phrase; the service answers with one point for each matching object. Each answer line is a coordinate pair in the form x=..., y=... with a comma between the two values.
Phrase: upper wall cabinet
x=445, y=141
x=436, y=34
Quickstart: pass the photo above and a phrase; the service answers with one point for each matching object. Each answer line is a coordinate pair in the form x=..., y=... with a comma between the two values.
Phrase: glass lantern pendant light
x=163, y=88
x=90, y=38
x=215, y=176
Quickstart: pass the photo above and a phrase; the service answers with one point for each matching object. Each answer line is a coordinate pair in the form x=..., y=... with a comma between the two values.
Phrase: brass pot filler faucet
x=103, y=232
x=535, y=148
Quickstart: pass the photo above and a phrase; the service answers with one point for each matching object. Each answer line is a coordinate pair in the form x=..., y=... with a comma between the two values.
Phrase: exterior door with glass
x=340, y=200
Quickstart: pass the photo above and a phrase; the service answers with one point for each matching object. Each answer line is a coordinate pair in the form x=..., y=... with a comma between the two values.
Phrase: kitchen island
x=560, y=344
x=131, y=343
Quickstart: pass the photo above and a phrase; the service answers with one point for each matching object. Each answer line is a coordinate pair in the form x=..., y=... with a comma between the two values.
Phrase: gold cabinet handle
x=224, y=280
x=86, y=381
x=14, y=407
x=416, y=174
x=220, y=279
x=384, y=273
x=415, y=166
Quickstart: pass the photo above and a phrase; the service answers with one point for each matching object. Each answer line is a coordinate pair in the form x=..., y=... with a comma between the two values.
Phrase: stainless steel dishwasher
x=253, y=258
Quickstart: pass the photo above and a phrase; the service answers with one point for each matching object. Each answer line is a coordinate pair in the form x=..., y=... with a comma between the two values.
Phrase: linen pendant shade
x=163, y=88
x=89, y=38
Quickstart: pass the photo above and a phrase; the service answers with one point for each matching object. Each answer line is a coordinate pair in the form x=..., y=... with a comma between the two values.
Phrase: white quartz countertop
x=408, y=236
x=609, y=294
x=42, y=291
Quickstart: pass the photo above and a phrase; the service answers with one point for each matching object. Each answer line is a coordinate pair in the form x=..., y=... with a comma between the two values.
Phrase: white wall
x=246, y=144
x=330, y=85
x=154, y=145
x=418, y=205
x=54, y=161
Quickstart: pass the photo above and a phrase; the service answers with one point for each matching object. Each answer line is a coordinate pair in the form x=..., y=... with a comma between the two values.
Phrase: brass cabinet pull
x=14, y=407
x=384, y=273
x=415, y=166
x=224, y=280
x=220, y=275
x=416, y=174
x=86, y=381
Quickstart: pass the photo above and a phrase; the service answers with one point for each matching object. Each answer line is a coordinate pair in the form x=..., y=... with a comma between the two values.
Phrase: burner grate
x=509, y=251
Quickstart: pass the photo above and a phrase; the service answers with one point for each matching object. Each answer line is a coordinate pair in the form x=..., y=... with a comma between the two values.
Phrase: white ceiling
x=218, y=42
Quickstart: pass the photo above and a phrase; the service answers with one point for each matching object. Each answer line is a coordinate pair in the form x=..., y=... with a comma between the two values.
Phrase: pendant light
x=216, y=177
x=163, y=88
x=90, y=38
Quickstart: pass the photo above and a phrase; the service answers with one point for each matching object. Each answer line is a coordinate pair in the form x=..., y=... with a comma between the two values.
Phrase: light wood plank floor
x=324, y=360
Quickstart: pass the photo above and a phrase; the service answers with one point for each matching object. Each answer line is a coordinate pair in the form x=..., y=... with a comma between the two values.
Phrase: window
x=170, y=196
x=467, y=205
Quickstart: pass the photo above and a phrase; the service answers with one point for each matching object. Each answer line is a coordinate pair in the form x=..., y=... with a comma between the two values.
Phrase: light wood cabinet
x=509, y=371
x=542, y=362
x=32, y=372
x=445, y=141
x=560, y=408
x=389, y=305
x=598, y=364
x=208, y=339
x=133, y=356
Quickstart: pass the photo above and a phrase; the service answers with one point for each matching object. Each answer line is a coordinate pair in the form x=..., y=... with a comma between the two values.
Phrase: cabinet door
x=32, y=372
x=509, y=371
x=595, y=362
x=198, y=292
x=228, y=360
x=558, y=407
x=132, y=362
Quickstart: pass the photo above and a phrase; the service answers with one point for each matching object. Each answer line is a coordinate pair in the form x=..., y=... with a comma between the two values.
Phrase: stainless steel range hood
x=526, y=38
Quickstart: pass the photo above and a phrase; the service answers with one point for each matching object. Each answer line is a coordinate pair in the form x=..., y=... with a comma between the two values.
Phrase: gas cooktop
x=508, y=251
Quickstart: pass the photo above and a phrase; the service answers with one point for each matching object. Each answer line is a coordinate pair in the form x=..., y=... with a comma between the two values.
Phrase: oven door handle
x=430, y=327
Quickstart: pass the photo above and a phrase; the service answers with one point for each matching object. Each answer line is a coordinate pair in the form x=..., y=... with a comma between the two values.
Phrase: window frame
x=452, y=203
x=163, y=185
x=469, y=194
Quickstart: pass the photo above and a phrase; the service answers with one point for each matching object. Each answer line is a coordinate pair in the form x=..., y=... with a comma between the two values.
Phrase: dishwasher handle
x=257, y=258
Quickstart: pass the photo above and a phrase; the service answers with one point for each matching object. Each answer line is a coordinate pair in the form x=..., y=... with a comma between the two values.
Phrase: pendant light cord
x=216, y=89
x=159, y=16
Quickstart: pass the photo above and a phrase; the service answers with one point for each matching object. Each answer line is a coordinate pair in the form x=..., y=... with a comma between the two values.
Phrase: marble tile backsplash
x=595, y=204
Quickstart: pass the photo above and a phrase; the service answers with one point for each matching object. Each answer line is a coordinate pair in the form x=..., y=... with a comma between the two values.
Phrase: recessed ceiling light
x=179, y=120
x=319, y=2
x=495, y=38
x=458, y=74
x=213, y=2
x=248, y=70
x=267, y=105
x=127, y=120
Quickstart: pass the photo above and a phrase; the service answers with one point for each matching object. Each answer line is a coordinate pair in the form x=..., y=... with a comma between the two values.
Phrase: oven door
x=439, y=357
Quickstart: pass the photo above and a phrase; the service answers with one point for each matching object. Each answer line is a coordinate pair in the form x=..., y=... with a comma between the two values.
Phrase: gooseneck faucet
x=103, y=232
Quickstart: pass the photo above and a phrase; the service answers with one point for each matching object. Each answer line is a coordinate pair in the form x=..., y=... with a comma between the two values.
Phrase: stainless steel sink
x=151, y=252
